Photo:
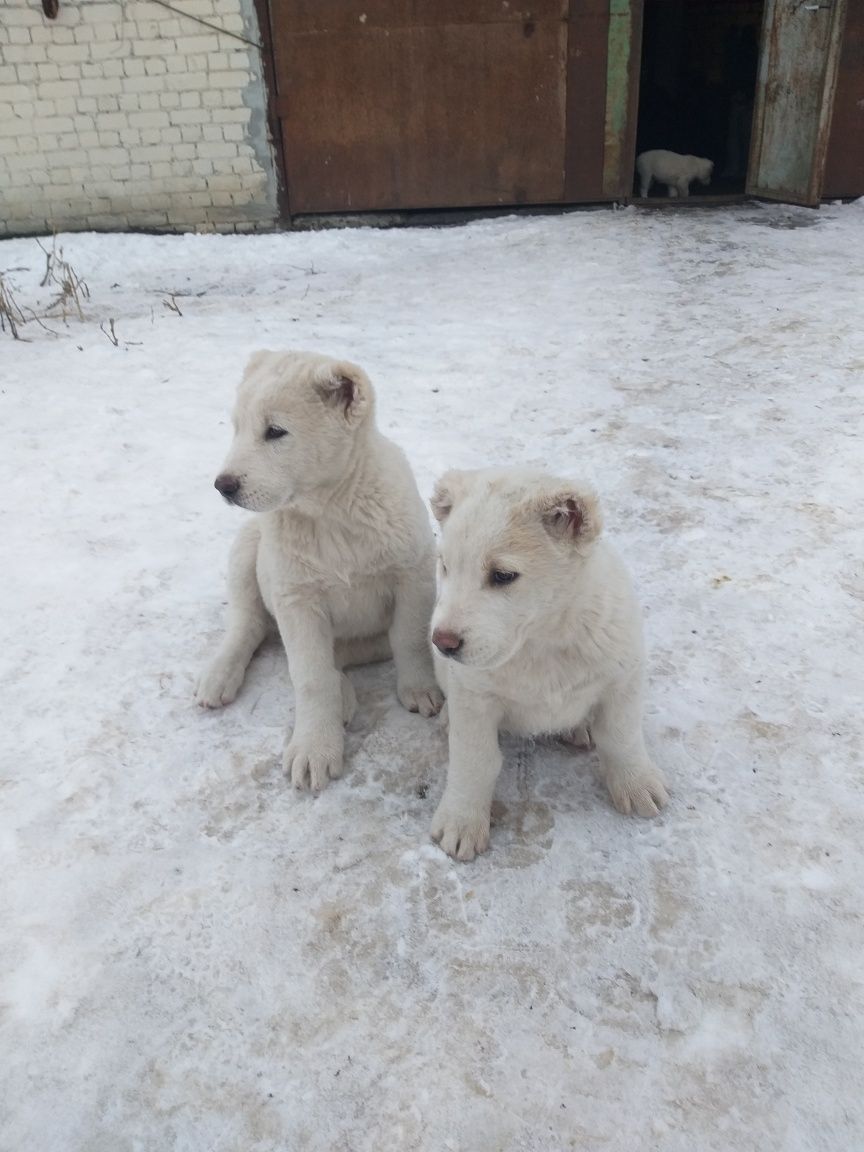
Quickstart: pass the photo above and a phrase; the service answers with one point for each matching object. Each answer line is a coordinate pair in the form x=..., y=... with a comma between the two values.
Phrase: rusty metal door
x=390, y=104
x=844, y=167
x=794, y=97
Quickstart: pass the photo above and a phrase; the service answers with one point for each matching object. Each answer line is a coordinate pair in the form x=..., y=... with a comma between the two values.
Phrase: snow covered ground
x=193, y=957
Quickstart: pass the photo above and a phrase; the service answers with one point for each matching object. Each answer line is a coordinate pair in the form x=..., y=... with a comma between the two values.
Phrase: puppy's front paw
x=462, y=835
x=311, y=765
x=219, y=685
x=426, y=700
x=642, y=791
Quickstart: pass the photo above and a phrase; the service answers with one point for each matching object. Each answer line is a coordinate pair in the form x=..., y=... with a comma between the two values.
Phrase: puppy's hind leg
x=248, y=624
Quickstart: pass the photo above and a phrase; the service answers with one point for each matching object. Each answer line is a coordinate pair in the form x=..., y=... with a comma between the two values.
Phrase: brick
x=144, y=83
x=19, y=35
x=148, y=119
x=149, y=102
x=133, y=66
x=101, y=87
x=67, y=53
x=217, y=151
x=112, y=121
x=151, y=47
x=106, y=34
x=67, y=107
x=231, y=115
x=98, y=13
x=229, y=80
x=107, y=103
x=52, y=124
x=83, y=34
x=189, y=116
x=201, y=44
x=52, y=89
x=47, y=72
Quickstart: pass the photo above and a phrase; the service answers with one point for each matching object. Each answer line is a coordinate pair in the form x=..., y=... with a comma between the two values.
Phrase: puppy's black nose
x=227, y=485
x=447, y=643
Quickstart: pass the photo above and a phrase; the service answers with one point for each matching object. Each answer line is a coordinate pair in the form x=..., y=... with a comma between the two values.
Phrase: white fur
x=558, y=648
x=341, y=553
x=669, y=168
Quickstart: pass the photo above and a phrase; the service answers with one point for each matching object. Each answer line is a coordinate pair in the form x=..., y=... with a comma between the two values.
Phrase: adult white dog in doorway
x=340, y=555
x=537, y=631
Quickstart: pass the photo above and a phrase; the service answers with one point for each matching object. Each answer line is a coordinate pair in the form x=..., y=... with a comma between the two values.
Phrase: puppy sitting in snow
x=341, y=553
x=537, y=631
x=675, y=171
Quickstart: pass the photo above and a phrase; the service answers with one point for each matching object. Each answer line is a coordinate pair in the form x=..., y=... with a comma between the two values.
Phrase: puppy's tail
x=362, y=650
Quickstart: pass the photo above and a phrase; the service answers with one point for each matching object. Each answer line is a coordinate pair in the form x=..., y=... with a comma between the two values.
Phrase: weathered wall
x=120, y=115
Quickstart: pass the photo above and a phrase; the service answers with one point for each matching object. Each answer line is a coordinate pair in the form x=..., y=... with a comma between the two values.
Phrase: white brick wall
x=125, y=114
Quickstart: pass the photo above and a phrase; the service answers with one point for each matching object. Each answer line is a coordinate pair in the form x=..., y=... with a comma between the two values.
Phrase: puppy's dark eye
x=499, y=578
x=274, y=433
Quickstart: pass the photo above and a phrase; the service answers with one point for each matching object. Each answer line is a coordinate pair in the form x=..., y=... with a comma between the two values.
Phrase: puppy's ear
x=448, y=490
x=346, y=387
x=256, y=360
x=571, y=514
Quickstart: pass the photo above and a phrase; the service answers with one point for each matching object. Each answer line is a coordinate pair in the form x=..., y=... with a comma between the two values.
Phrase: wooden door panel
x=387, y=105
x=797, y=75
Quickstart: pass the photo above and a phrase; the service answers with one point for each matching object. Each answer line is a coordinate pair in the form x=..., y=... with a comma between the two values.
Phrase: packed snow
x=195, y=957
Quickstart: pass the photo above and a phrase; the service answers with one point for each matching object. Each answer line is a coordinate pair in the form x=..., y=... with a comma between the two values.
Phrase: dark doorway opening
x=698, y=83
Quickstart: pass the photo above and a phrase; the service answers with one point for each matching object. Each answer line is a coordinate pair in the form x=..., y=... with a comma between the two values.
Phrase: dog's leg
x=314, y=750
x=671, y=191
x=409, y=639
x=644, y=185
x=248, y=624
x=684, y=188
x=461, y=823
x=634, y=784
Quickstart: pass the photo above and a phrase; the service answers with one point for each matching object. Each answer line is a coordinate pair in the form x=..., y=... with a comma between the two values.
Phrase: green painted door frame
x=622, y=97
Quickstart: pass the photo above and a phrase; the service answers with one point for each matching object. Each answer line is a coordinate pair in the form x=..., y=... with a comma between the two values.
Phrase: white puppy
x=537, y=631
x=342, y=553
x=676, y=171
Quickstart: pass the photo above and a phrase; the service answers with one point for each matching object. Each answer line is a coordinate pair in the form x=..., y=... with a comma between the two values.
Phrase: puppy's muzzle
x=448, y=643
x=227, y=485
